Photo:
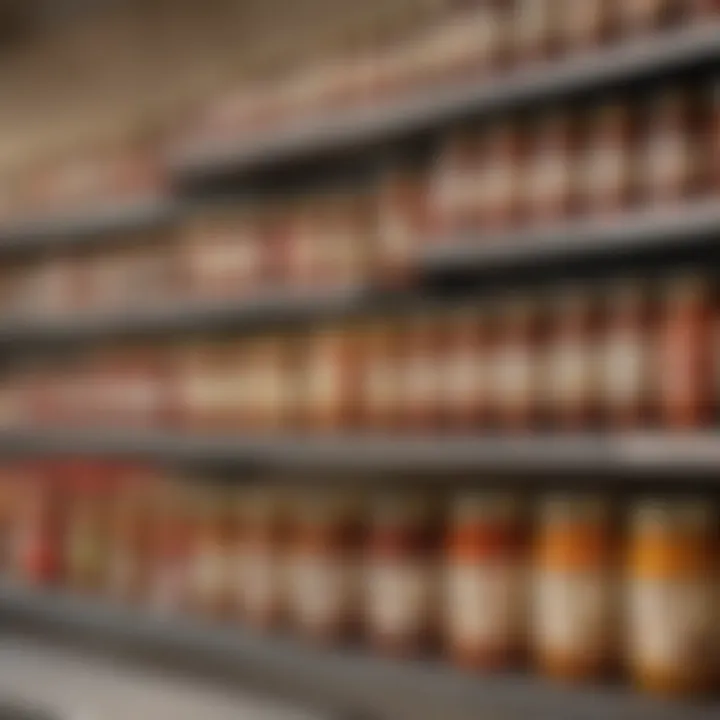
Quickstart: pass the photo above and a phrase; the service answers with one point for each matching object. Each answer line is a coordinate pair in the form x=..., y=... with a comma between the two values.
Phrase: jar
x=303, y=251
x=501, y=177
x=686, y=346
x=264, y=388
x=574, y=604
x=606, y=176
x=549, y=175
x=419, y=375
x=261, y=588
x=673, y=595
x=331, y=375
x=403, y=224
x=644, y=16
x=87, y=537
x=401, y=603
x=486, y=590
x=458, y=185
x=171, y=538
x=381, y=372
x=464, y=369
x=323, y=566
x=515, y=366
x=130, y=525
x=582, y=25
x=535, y=30
x=671, y=154
x=211, y=553
x=627, y=360
x=572, y=367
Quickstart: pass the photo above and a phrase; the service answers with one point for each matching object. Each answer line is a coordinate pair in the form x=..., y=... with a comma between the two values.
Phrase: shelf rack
x=352, y=684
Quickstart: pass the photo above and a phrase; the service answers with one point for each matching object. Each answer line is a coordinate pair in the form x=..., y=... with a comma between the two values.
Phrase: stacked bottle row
x=574, y=585
x=459, y=41
x=627, y=355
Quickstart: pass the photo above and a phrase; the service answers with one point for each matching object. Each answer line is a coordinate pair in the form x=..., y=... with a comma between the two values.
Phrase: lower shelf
x=352, y=684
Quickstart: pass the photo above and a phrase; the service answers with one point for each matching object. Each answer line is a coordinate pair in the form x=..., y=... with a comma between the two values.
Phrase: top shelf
x=628, y=62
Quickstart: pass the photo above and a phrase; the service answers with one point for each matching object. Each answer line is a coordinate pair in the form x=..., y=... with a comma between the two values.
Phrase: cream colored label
x=513, y=376
x=626, y=369
x=571, y=374
x=573, y=612
x=322, y=590
x=485, y=603
x=401, y=596
x=673, y=623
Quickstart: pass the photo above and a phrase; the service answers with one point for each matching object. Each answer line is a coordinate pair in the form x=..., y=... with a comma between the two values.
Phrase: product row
x=629, y=354
x=575, y=586
x=460, y=41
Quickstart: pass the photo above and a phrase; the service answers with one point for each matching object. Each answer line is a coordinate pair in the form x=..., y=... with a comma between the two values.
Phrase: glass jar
x=381, y=369
x=401, y=579
x=574, y=604
x=673, y=596
x=485, y=585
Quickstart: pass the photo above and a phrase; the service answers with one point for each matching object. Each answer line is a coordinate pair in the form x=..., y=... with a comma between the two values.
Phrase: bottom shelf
x=352, y=684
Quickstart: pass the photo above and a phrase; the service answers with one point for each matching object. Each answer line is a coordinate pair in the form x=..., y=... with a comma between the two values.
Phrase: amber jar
x=323, y=565
x=572, y=366
x=464, y=369
x=574, y=603
x=627, y=360
x=381, y=371
x=549, y=174
x=686, y=347
x=671, y=154
x=212, y=551
x=515, y=365
x=485, y=586
x=90, y=494
x=672, y=639
x=504, y=146
x=606, y=173
x=403, y=224
x=261, y=551
x=457, y=184
x=419, y=375
x=535, y=30
x=401, y=580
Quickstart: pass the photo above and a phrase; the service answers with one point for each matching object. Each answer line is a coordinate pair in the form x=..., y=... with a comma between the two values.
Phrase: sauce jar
x=535, y=30
x=323, y=566
x=381, y=373
x=419, y=375
x=572, y=367
x=606, y=173
x=464, y=369
x=403, y=224
x=672, y=596
x=627, y=360
x=458, y=184
x=644, y=16
x=485, y=585
x=401, y=578
x=686, y=346
x=670, y=165
x=264, y=388
x=582, y=25
x=500, y=183
x=515, y=366
x=261, y=589
x=574, y=604
x=549, y=176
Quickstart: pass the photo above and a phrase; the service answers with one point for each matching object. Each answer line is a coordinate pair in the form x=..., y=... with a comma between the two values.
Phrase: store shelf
x=89, y=226
x=631, y=61
x=655, y=456
x=693, y=227
x=359, y=685
x=273, y=307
